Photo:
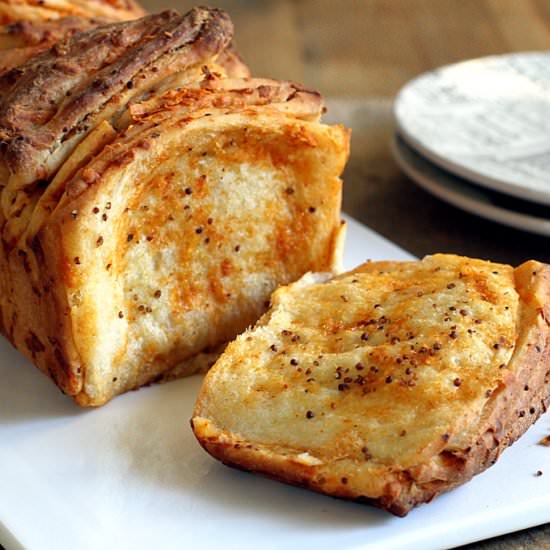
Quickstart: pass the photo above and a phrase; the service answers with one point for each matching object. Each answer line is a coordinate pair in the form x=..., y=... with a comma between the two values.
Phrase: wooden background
x=358, y=53
x=372, y=47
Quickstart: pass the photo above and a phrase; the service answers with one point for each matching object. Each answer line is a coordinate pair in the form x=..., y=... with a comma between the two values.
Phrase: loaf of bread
x=389, y=384
x=47, y=10
x=152, y=200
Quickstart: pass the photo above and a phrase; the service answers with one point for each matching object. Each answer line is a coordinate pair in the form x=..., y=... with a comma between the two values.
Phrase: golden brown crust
x=48, y=22
x=24, y=39
x=48, y=99
x=110, y=10
x=517, y=396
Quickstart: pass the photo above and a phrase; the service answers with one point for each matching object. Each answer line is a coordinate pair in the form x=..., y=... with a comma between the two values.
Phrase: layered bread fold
x=152, y=199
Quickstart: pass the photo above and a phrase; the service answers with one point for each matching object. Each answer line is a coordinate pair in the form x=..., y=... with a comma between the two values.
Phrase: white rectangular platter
x=130, y=475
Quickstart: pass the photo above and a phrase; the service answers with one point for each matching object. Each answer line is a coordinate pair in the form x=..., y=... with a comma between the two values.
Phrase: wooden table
x=359, y=53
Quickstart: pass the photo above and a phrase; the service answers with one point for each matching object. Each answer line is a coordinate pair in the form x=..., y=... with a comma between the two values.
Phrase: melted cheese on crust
x=390, y=363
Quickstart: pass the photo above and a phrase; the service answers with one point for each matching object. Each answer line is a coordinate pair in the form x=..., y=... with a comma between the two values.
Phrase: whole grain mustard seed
x=366, y=453
x=310, y=414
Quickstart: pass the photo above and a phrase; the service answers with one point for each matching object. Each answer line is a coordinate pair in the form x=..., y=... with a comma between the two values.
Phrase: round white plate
x=458, y=192
x=487, y=120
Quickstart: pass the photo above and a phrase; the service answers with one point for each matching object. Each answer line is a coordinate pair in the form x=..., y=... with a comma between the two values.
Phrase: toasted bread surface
x=24, y=39
x=48, y=10
x=391, y=383
x=196, y=248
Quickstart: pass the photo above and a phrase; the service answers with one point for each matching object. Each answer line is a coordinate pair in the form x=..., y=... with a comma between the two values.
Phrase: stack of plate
x=477, y=135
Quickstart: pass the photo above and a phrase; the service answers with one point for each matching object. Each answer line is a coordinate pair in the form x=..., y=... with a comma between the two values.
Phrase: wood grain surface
x=359, y=53
x=372, y=47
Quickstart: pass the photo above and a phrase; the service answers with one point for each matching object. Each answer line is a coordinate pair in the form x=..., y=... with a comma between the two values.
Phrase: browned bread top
x=21, y=40
x=393, y=383
x=51, y=103
x=47, y=10
x=49, y=99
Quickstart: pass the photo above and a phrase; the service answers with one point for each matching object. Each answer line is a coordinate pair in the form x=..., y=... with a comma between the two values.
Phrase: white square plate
x=130, y=475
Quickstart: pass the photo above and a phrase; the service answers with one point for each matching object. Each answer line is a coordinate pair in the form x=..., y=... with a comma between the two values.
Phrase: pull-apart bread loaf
x=389, y=384
x=150, y=203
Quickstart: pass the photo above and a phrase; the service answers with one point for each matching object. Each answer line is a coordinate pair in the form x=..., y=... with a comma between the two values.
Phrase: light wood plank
x=372, y=47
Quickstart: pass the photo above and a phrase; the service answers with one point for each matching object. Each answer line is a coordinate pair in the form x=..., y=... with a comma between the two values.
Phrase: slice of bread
x=390, y=384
